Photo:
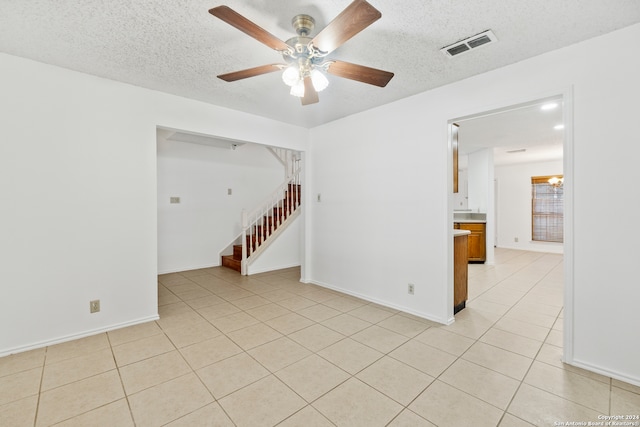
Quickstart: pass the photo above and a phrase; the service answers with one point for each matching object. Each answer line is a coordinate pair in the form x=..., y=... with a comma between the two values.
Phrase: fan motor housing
x=303, y=24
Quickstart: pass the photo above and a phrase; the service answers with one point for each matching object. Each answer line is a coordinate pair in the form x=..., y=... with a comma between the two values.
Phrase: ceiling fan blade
x=360, y=73
x=233, y=18
x=355, y=18
x=310, y=94
x=250, y=72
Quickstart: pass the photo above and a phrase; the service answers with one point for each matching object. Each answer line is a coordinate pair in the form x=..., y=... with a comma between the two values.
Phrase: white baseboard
x=84, y=334
x=267, y=269
x=187, y=268
x=408, y=310
x=603, y=371
x=542, y=247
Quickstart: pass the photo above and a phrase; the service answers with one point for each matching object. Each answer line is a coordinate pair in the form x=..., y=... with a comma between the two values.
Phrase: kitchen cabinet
x=460, y=271
x=477, y=241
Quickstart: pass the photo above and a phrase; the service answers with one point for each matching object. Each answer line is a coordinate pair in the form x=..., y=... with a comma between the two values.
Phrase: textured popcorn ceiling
x=179, y=48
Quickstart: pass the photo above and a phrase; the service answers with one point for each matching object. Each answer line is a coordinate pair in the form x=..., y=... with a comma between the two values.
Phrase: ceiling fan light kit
x=291, y=76
x=320, y=82
x=306, y=58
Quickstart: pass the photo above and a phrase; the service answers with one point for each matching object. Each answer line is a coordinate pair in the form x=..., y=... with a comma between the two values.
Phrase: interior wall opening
x=522, y=136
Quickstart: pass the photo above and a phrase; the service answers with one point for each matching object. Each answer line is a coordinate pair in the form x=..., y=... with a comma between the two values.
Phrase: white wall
x=191, y=234
x=514, y=205
x=78, y=184
x=283, y=252
x=382, y=222
x=479, y=169
x=386, y=190
x=461, y=198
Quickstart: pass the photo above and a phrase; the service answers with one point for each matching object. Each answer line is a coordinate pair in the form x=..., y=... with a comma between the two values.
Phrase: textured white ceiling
x=179, y=48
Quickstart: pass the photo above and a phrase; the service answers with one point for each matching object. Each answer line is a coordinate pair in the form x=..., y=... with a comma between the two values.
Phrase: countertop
x=457, y=233
x=470, y=217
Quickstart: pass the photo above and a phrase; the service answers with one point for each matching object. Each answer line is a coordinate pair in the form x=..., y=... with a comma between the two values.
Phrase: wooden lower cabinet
x=477, y=239
x=460, y=272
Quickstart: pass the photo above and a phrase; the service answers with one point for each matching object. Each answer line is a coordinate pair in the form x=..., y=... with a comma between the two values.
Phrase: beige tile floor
x=268, y=350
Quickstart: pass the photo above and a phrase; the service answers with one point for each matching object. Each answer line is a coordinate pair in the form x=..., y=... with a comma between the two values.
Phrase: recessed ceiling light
x=558, y=127
x=549, y=106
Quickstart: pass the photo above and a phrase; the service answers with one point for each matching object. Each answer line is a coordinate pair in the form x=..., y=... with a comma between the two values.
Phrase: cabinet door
x=477, y=241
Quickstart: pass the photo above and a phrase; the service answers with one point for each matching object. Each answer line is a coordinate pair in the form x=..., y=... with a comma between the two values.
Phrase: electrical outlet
x=174, y=199
x=319, y=198
x=515, y=239
x=229, y=191
x=411, y=289
x=94, y=306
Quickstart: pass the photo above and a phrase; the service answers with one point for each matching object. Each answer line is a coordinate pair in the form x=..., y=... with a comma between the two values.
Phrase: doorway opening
x=498, y=152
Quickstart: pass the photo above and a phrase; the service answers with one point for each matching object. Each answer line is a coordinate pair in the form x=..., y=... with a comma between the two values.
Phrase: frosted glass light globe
x=298, y=89
x=319, y=80
x=291, y=76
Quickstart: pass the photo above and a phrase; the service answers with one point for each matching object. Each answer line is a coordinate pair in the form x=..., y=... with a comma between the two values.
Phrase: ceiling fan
x=305, y=57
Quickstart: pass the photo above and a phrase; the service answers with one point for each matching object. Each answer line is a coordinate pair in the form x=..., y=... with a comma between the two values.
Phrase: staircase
x=262, y=225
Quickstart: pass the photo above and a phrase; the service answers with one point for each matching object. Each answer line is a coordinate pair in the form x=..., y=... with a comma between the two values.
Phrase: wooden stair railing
x=261, y=225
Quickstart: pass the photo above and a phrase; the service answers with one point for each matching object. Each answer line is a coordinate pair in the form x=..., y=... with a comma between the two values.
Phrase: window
x=547, y=209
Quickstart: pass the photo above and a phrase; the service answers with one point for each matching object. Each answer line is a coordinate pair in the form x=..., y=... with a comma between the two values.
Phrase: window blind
x=547, y=210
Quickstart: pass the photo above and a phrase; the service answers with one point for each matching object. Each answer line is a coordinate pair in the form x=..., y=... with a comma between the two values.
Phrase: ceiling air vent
x=473, y=42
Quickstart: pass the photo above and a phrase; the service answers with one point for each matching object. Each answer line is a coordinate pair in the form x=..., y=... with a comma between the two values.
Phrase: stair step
x=237, y=252
x=252, y=241
x=261, y=230
x=292, y=195
x=281, y=211
x=230, y=262
x=286, y=203
x=270, y=220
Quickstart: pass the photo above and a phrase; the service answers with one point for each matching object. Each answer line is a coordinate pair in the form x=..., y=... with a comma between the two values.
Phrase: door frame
x=566, y=95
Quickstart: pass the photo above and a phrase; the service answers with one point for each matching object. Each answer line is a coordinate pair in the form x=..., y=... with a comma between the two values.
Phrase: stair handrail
x=279, y=205
x=289, y=159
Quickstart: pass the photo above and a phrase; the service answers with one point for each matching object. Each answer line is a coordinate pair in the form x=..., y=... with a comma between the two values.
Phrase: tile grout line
x=353, y=375
x=520, y=382
x=316, y=353
x=44, y=362
x=124, y=390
